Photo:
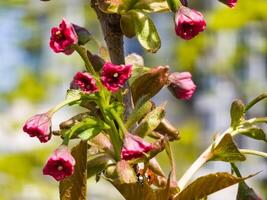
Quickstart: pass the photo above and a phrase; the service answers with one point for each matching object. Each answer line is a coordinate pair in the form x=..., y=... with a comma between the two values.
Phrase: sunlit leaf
x=237, y=113
x=145, y=30
x=150, y=122
x=97, y=163
x=138, y=113
x=207, y=185
x=152, y=5
x=74, y=187
x=253, y=132
x=149, y=83
x=226, y=150
x=246, y=193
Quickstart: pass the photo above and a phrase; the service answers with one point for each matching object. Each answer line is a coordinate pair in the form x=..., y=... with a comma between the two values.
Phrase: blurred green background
x=227, y=61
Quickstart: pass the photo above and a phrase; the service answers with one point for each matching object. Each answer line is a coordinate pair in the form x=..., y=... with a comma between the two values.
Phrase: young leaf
x=97, y=163
x=145, y=30
x=149, y=83
x=167, y=129
x=138, y=113
x=208, y=184
x=253, y=132
x=87, y=128
x=150, y=122
x=173, y=5
x=125, y=172
x=237, y=113
x=152, y=6
x=74, y=187
x=246, y=193
x=127, y=27
x=226, y=151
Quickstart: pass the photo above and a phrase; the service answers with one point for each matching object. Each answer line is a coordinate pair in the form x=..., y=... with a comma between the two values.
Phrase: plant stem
x=62, y=104
x=236, y=170
x=82, y=52
x=110, y=24
x=201, y=160
x=256, y=100
x=253, y=152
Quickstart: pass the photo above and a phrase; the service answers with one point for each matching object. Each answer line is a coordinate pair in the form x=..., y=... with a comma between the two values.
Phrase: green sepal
x=151, y=121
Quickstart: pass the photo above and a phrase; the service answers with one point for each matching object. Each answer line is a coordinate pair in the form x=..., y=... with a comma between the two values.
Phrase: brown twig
x=110, y=24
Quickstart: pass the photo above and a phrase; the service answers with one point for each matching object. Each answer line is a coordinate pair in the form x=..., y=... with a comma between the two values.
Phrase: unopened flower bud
x=188, y=23
x=230, y=3
x=181, y=85
x=39, y=126
x=134, y=147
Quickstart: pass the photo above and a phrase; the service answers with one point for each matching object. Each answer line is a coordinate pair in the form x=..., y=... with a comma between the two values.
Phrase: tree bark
x=110, y=24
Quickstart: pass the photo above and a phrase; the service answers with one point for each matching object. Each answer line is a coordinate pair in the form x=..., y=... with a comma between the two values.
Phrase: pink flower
x=63, y=37
x=60, y=164
x=134, y=147
x=85, y=82
x=181, y=85
x=113, y=76
x=188, y=23
x=230, y=3
x=39, y=126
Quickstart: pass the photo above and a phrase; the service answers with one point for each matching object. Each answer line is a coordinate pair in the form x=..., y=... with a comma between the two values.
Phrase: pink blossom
x=113, y=76
x=60, y=164
x=63, y=37
x=181, y=85
x=188, y=23
x=39, y=126
x=230, y=3
x=134, y=147
x=85, y=82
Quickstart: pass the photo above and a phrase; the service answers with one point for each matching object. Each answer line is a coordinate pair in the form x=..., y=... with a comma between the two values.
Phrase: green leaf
x=116, y=6
x=145, y=30
x=138, y=113
x=74, y=187
x=173, y=5
x=87, y=128
x=253, y=132
x=97, y=163
x=207, y=185
x=246, y=193
x=237, y=113
x=150, y=122
x=152, y=6
x=71, y=94
x=89, y=133
x=226, y=150
x=127, y=27
x=149, y=83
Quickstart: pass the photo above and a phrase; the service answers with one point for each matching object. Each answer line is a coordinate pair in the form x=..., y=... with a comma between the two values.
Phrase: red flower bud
x=85, y=82
x=60, y=164
x=113, y=76
x=63, y=37
x=181, y=85
x=188, y=23
x=230, y=3
x=134, y=147
x=39, y=126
